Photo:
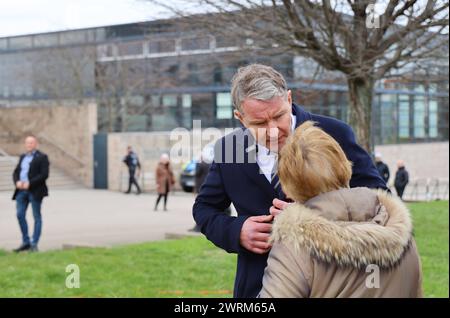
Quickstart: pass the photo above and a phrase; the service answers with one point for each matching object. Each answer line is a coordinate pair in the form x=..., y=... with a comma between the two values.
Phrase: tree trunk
x=360, y=107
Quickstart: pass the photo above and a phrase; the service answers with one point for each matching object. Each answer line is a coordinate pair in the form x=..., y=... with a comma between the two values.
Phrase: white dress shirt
x=266, y=159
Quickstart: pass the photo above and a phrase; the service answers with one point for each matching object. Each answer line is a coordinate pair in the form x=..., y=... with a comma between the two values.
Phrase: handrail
x=54, y=144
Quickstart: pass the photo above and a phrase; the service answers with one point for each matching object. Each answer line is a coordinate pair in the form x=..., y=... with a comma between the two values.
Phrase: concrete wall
x=65, y=133
x=422, y=160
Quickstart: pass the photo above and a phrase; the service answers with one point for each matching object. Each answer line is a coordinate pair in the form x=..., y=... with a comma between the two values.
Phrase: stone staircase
x=57, y=179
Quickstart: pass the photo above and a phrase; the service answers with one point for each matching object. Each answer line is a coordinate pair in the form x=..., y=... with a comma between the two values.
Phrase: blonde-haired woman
x=335, y=241
x=164, y=179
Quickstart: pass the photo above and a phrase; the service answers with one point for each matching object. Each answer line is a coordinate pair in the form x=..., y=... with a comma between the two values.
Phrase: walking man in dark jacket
x=132, y=161
x=401, y=178
x=29, y=178
x=382, y=168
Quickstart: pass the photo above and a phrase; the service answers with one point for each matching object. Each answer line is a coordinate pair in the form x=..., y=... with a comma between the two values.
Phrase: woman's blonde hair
x=312, y=162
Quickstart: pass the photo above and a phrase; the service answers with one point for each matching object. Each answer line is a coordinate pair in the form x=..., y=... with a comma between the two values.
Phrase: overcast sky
x=35, y=16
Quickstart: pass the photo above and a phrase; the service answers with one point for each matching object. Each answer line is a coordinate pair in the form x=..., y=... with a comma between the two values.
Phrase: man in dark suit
x=244, y=171
x=29, y=178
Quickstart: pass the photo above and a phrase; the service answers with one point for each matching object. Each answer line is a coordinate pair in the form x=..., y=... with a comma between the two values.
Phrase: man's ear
x=289, y=96
x=238, y=116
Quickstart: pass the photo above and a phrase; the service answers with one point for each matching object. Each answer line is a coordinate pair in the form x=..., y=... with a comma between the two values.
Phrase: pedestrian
x=401, y=178
x=164, y=179
x=30, y=177
x=382, y=168
x=133, y=164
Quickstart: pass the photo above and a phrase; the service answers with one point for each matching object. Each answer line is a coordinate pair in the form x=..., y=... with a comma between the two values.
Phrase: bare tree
x=342, y=35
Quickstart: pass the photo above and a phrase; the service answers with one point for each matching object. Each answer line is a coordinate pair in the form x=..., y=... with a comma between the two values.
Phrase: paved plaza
x=86, y=217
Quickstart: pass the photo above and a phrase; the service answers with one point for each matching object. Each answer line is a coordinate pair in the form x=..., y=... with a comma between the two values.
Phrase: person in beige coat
x=164, y=179
x=335, y=241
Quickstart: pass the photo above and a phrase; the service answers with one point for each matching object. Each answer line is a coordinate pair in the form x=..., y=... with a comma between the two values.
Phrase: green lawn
x=431, y=234
x=184, y=268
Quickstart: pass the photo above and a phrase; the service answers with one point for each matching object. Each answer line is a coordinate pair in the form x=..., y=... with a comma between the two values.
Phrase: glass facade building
x=154, y=77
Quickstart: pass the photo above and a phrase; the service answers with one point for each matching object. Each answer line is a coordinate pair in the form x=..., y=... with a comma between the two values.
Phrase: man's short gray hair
x=257, y=81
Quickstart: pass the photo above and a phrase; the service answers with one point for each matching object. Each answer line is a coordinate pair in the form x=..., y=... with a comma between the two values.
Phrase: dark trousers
x=163, y=195
x=23, y=198
x=400, y=191
x=132, y=180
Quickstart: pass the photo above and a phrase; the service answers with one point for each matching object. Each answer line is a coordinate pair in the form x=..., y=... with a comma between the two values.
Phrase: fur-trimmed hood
x=352, y=227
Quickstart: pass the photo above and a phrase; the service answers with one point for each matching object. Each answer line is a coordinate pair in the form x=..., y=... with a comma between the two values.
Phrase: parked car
x=187, y=176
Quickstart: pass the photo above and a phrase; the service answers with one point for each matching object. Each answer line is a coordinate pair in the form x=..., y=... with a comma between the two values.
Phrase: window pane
x=419, y=117
x=131, y=48
x=22, y=42
x=224, y=99
x=195, y=44
x=187, y=100
x=224, y=109
x=162, y=46
x=72, y=37
x=403, y=116
x=170, y=100
x=224, y=113
x=155, y=101
x=46, y=40
x=3, y=44
x=433, y=119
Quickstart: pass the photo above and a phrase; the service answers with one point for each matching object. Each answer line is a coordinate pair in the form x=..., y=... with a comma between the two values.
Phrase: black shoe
x=34, y=249
x=23, y=247
x=165, y=209
x=128, y=192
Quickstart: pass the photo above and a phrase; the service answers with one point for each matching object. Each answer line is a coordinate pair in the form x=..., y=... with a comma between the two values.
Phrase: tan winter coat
x=333, y=245
x=164, y=178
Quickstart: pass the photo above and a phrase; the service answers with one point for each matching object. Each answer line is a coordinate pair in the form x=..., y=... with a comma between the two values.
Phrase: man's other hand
x=255, y=233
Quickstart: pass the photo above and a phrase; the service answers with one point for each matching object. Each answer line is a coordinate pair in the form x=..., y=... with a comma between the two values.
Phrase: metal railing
x=427, y=190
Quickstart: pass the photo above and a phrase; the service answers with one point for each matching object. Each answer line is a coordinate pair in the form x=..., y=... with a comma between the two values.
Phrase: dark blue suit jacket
x=230, y=180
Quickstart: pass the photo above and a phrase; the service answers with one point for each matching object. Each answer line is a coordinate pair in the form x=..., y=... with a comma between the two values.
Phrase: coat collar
x=381, y=240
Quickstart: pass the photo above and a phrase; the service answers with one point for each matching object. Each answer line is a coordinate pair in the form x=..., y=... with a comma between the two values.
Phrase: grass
x=431, y=234
x=191, y=267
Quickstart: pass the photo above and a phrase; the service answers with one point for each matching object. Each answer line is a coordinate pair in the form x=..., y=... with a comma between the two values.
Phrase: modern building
x=154, y=77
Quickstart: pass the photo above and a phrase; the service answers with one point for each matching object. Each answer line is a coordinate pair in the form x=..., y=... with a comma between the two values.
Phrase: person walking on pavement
x=382, y=168
x=401, y=178
x=29, y=178
x=132, y=161
x=164, y=180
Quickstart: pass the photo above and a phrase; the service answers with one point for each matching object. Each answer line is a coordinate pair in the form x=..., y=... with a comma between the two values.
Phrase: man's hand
x=255, y=234
x=19, y=185
x=277, y=207
x=26, y=185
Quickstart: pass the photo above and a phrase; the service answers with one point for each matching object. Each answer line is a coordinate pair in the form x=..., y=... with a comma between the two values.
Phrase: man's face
x=269, y=121
x=30, y=144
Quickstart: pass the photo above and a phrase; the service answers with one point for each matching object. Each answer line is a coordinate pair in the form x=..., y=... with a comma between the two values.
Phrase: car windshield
x=190, y=166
